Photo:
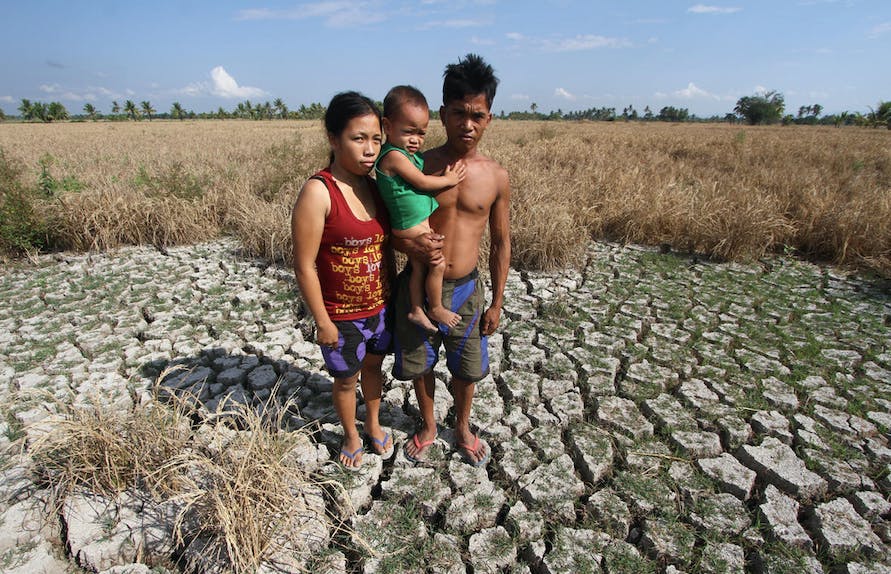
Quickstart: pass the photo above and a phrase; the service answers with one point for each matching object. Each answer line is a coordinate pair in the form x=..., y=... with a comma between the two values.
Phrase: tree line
x=55, y=111
x=758, y=109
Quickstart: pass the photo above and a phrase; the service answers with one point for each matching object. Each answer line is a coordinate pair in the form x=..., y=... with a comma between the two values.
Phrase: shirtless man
x=481, y=199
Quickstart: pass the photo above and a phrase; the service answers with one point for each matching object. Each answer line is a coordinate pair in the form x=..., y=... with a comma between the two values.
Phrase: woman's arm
x=307, y=224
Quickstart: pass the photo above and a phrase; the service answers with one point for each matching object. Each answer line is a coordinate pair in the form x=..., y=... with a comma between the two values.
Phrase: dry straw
x=241, y=495
x=734, y=192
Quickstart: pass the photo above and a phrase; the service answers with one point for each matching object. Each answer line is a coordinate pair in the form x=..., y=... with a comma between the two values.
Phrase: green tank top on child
x=406, y=205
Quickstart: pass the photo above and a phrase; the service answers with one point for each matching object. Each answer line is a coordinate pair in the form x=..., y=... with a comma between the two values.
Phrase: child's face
x=408, y=127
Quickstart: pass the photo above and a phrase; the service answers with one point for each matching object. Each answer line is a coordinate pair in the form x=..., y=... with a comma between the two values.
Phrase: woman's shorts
x=356, y=339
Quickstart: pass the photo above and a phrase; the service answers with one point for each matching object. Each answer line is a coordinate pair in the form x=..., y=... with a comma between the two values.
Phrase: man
x=481, y=199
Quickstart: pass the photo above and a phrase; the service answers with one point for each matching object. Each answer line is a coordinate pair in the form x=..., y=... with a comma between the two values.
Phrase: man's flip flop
x=352, y=458
x=385, y=454
x=421, y=446
x=467, y=450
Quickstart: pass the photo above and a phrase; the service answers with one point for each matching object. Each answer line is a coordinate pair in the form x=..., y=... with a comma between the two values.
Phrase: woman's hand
x=328, y=336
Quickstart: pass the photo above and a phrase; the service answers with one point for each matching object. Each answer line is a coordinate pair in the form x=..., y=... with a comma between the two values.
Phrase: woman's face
x=357, y=146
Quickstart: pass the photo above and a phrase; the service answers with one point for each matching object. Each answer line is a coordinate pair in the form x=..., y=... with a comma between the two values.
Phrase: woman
x=341, y=259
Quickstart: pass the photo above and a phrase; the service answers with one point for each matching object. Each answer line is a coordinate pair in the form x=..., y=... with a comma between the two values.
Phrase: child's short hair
x=469, y=77
x=399, y=96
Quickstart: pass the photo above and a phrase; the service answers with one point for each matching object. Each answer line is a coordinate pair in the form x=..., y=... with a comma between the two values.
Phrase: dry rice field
x=730, y=192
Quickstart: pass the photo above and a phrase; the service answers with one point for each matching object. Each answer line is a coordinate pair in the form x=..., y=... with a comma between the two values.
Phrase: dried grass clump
x=100, y=448
x=243, y=498
x=547, y=230
x=103, y=220
x=263, y=227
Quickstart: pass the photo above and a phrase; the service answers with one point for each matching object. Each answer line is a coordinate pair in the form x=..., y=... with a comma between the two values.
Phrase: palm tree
x=56, y=111
x=40, y=111
x=147, y=109
x=883, y=114
x=221, y=113
x=176, y=111
x=130, y=110
x=115, y=108
x=90, y=110
x=280, y=108
x=840, y=118
x=27, y=109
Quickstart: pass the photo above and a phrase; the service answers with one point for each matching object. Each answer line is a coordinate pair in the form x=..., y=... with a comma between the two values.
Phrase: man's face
x=465, y=121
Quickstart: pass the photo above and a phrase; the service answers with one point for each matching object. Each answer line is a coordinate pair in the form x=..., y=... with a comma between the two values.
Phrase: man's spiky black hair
x=469, y=77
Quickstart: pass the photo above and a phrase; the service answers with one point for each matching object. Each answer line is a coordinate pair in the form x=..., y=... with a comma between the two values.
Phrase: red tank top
x=351, y=255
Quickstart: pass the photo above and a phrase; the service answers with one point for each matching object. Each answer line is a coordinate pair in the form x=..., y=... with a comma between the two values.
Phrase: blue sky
x=559, y=54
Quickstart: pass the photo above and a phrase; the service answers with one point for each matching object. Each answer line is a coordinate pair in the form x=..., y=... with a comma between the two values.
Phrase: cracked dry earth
x=648, y=413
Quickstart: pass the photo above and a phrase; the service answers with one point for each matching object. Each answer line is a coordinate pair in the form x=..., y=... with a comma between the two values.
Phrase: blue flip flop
x=386, y=454
x=352, y=458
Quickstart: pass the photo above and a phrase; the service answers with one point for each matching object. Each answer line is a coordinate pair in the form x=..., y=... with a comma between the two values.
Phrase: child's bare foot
x=445, y=317
x=419, y=318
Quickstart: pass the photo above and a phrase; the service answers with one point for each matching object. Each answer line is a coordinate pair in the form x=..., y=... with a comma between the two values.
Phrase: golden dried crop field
x=731, y=191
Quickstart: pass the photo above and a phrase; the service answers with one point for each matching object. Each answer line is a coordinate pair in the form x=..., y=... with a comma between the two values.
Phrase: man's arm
x=499, y=252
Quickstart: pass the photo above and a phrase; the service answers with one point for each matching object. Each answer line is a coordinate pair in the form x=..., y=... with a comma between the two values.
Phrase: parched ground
x=649, y=413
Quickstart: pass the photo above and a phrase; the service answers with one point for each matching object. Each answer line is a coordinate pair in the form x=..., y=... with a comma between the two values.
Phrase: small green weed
x=174, y=181
x=50, y=186
x=23, y=228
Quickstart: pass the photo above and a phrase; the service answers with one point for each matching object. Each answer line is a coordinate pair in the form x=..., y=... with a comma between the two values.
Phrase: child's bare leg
x=416, y=313
x=436, y=310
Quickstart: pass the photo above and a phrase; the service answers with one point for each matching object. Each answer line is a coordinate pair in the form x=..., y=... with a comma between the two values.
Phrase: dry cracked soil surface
x=648, y=412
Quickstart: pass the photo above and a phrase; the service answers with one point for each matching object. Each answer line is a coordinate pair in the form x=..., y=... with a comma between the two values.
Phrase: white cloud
x=880, y=30
x=465, y=23
x=477, y=41
x=196, y=89
x=59, y=93
x=703, y=9
x=583, y=42
x=561, y=93
x=693, y=91
x=335, y=13
x=75, y=97
x=105, y=92
x=573, y=44
x=225, y=86
x=519, y=97
x=7, y=99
